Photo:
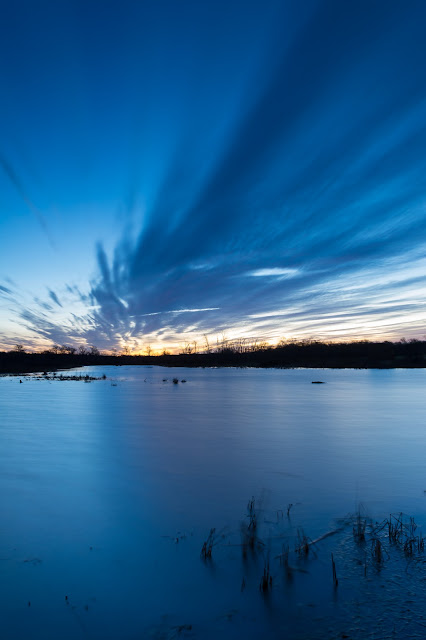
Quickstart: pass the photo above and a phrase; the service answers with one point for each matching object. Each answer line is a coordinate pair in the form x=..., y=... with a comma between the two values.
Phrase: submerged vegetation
x=237, y=353
x=366, y=556
x=377, y=540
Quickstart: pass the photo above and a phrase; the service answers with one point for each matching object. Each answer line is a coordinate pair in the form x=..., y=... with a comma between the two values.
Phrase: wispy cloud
x=54, y=297
x=4, y=290
x=294, y=205
x=17, y=183
x=273, y=272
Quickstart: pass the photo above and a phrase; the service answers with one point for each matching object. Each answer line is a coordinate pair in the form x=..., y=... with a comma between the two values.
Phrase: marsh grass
x=249, y=532
x=401, y=532
x=361, y=552
x=266, y=580
x=360, y=525
x=377, y=550
x=283, y=557
x=207, y=548
x=333, y=565
x=302, y=543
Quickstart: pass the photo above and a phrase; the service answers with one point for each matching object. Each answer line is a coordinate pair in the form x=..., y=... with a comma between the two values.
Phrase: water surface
x=108, y=490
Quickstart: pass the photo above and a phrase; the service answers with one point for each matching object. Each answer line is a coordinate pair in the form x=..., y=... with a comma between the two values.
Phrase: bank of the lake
x=305, y=354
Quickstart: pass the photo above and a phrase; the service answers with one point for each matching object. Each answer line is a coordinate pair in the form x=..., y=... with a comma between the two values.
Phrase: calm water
x=108, y=490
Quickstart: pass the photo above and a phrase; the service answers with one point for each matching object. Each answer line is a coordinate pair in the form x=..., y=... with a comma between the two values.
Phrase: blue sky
x=170, y=170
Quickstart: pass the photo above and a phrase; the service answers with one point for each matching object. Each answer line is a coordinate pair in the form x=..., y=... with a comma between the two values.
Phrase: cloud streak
x=18, y=185
x=294, y=206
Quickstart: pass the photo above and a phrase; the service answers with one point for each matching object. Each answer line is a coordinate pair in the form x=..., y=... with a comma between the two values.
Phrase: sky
x=246, y=169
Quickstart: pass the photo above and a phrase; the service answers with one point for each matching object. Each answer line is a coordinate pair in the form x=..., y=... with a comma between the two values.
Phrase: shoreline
x=301, y=355
x=55, y=369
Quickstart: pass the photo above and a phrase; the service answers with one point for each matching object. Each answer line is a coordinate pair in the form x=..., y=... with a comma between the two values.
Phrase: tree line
x=234, y=353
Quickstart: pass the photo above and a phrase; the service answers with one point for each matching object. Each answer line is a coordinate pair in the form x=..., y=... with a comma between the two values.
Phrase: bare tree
x=221, y=342
x=206, y=343
x=240, y=345
x=67, y=349
x=224, y=341
x=187, y=348
x=253, y=346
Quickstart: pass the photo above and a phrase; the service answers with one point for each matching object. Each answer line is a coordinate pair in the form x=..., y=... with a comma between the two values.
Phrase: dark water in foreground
x=108, y=490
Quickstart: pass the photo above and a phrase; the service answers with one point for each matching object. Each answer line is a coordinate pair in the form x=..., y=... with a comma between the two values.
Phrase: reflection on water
x=109, y=489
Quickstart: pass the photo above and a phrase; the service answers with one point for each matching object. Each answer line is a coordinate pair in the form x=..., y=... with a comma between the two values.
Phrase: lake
x=109, y=489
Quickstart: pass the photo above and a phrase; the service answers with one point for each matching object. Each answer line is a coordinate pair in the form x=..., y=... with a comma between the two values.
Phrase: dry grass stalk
x=302, y=546
x=266, y=580
x=359, y=527
x=333, y=565
x=206, y=551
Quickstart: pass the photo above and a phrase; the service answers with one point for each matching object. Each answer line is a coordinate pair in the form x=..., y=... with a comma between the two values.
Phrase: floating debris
x=66, y=378
x=33, y=561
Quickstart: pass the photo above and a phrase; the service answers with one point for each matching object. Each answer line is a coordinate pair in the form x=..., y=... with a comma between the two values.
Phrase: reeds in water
x=333, y=565
x=266, y=580
x=207, y=548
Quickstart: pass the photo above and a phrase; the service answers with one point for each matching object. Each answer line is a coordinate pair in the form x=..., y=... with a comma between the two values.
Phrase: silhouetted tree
x=206, y=343
x=67, y=349
x=187, y=349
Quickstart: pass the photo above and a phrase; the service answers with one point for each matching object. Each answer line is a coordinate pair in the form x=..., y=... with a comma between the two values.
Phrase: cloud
x=54, y=297
x=18, y=185
x=5, y=290
x=273, y=272
x=306, y=214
